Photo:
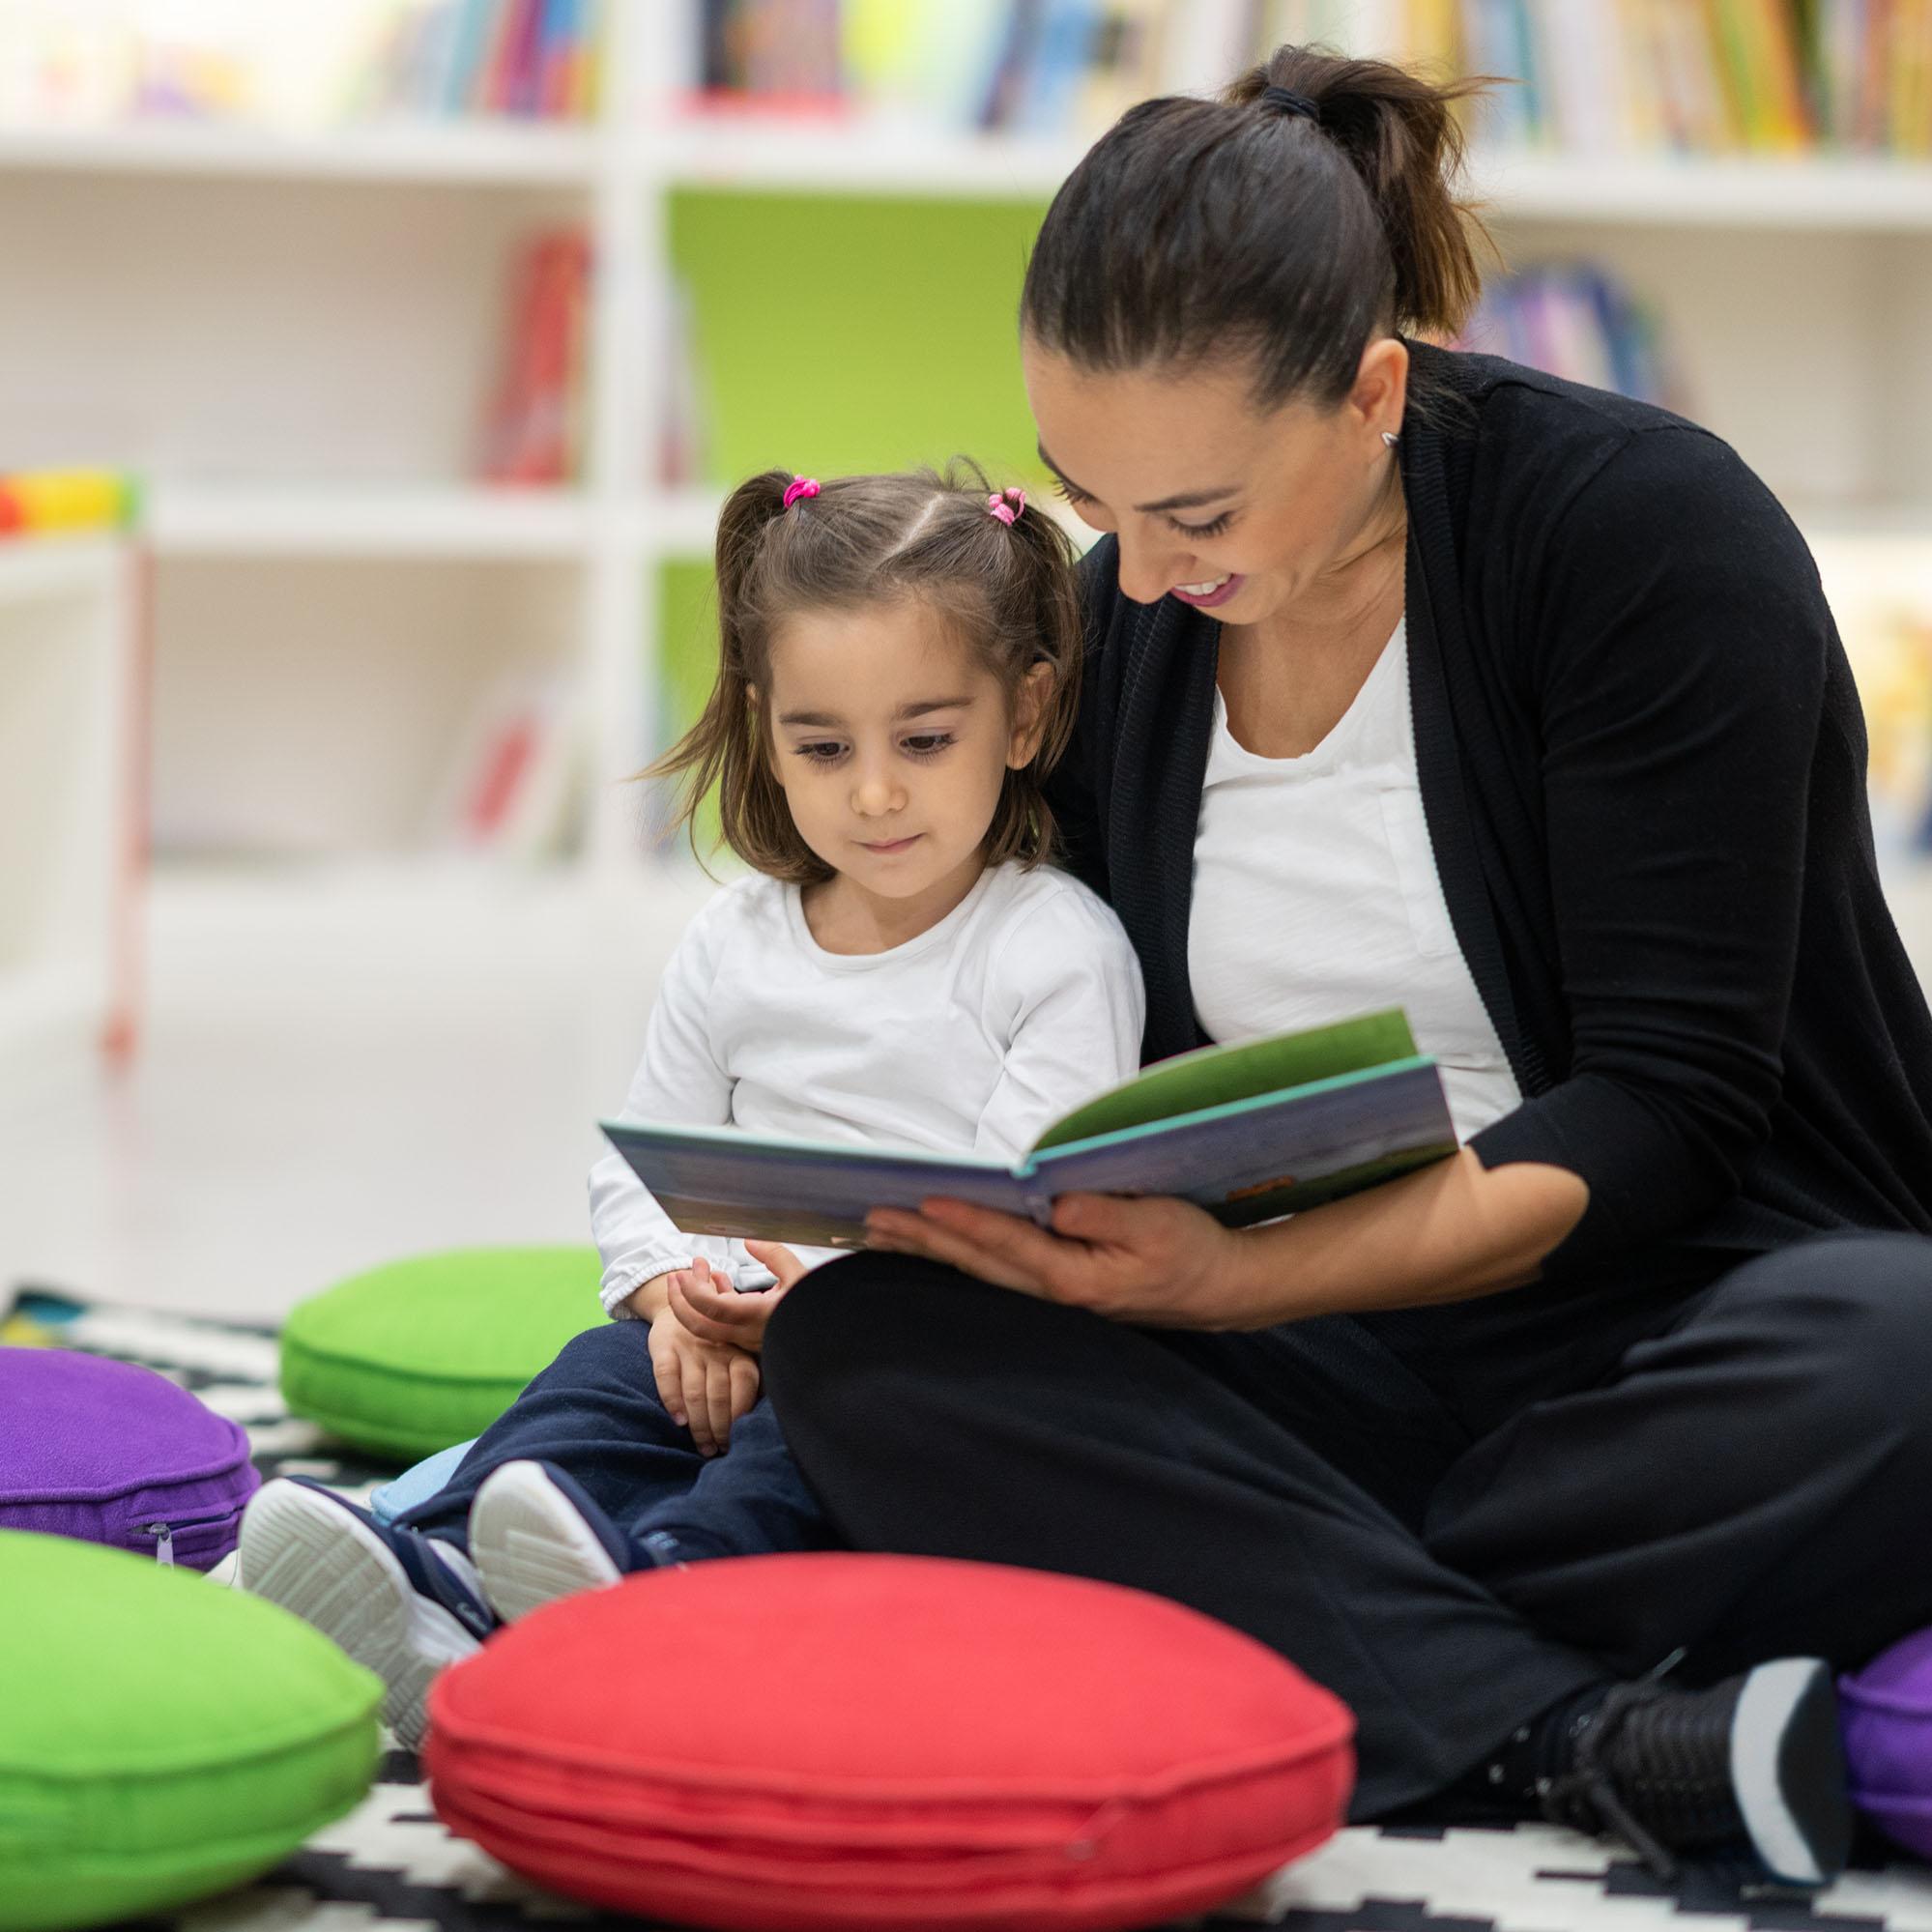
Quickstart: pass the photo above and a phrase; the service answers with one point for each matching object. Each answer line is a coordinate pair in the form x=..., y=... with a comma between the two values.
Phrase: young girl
x=899, y=669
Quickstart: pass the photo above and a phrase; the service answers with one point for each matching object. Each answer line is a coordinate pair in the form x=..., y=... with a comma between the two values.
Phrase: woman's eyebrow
x=1188, y=500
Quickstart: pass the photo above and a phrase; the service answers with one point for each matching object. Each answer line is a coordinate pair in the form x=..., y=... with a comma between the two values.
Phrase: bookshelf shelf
x=849, y=158
x=1831, y=192
x=456, y=520
x=1849, y=194
x=483, y=153
x=53, y=567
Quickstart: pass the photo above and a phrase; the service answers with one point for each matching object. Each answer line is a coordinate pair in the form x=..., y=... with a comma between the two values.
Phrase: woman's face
x=1215, y=502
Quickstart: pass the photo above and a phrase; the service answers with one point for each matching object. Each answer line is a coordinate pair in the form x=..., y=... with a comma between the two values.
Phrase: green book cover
x=1214, y=1075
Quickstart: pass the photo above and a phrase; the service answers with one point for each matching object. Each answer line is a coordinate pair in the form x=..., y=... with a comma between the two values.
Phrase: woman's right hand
x=704, y=1386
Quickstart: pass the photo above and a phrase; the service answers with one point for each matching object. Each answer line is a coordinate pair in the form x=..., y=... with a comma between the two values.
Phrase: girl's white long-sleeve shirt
x=1023, y=1002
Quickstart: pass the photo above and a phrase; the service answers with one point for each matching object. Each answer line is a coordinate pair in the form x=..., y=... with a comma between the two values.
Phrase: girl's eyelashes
x=829, y=751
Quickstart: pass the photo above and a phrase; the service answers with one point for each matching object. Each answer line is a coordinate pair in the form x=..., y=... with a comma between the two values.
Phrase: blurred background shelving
x=437, y=328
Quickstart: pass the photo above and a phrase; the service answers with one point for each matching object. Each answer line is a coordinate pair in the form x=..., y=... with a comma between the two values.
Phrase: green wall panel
x=865, y=333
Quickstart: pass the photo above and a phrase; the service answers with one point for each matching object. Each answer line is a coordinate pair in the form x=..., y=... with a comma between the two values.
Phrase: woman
x=1576, y=1462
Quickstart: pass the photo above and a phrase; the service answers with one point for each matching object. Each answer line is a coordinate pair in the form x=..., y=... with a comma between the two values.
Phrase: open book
x=1251, y=1132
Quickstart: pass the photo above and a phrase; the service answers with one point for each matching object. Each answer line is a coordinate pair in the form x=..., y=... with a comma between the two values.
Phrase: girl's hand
x=714, y=1310
x=1156, y=1260
x=703, y=1387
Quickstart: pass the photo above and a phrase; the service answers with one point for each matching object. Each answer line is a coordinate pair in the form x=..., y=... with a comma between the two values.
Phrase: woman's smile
x=1213, y=590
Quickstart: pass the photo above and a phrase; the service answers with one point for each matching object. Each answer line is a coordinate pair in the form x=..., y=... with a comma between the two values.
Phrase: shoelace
x=1693, y=1792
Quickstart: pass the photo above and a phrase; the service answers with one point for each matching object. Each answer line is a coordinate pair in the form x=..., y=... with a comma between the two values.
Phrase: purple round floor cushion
x=1886, y=1712
x=115, y=1453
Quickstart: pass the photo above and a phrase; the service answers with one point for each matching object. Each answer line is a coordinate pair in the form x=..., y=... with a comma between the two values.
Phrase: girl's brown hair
x=1196, y=229
x=1007, y=591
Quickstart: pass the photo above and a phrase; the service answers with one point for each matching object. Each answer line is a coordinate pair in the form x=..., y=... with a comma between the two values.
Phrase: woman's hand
x=714, y=1310
x=1156, y=1260
x=703, y=1387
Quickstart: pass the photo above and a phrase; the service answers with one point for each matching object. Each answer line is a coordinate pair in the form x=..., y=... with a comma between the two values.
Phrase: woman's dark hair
x=1195, y=230
x=1007, y=590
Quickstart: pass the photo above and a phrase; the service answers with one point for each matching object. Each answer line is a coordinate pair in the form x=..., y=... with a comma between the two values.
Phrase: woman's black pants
x=1452, y=1517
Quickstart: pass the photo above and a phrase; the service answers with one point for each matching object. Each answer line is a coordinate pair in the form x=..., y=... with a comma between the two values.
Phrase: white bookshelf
x=67, y=669
x=292, y=337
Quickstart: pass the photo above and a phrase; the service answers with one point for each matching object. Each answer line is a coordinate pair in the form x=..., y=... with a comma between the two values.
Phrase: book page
x=1211, y=1075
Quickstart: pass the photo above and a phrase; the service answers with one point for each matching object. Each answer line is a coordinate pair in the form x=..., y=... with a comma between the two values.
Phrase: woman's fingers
x=998, y=1247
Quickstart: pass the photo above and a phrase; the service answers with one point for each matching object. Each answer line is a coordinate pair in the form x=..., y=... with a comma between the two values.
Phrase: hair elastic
x=1289, y=103
x=799, y=486
x=1006, y=506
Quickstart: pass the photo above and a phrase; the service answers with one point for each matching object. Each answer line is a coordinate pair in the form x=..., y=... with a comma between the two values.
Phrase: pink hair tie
x=1006, y=506
x=799, y=486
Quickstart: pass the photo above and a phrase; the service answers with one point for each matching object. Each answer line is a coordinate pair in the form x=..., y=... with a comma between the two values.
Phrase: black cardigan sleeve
x=1679, y=640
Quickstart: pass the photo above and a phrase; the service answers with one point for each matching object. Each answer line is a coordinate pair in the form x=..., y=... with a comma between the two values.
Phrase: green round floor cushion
x=412, y=1357
x=162, y=1738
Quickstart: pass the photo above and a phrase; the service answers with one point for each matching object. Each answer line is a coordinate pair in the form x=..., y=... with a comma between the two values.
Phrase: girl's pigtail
x=1045, y=556
x=725, y=747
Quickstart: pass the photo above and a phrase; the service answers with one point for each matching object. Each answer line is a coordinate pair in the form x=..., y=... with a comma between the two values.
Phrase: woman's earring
x=1389, y=439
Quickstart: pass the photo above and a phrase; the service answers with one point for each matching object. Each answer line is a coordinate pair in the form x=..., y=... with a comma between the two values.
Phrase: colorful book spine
x=57, y=502
x=534, y=59
x=534, y=430
x=1579, y=322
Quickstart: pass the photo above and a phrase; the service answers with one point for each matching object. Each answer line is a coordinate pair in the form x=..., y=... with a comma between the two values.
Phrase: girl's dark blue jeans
x=595, y=1414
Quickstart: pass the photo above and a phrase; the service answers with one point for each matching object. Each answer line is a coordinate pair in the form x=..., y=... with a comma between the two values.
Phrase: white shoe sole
x=1788, y=1769
x=334, y=1574
x=531, y=1545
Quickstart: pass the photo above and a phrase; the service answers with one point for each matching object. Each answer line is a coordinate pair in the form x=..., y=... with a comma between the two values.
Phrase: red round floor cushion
x=797, y=1743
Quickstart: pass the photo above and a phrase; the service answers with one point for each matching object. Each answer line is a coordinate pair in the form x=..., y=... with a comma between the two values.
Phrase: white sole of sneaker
x=334, y=1574
x=1787, y=1769
x=531, y=1545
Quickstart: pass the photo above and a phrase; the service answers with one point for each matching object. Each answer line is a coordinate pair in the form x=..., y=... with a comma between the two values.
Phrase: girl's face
x=891, y=741
x=1214, y=502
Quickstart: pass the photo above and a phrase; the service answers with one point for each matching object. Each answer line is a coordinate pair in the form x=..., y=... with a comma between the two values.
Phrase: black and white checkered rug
x=390, y=1863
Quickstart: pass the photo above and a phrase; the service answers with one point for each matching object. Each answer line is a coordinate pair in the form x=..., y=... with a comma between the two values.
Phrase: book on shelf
x=509, y=787
x=529, y=58
x=1576, y=320
x=778, y=54
x=1249, y=1130
x=1590, y=76
x=109, y=64
x=534, y=429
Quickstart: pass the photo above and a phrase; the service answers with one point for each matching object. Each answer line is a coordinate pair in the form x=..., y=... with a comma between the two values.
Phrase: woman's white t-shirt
x=1315, y=896
x=1022, y=1001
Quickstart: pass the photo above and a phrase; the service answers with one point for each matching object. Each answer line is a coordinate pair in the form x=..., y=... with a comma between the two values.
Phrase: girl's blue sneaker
x=401, y=1603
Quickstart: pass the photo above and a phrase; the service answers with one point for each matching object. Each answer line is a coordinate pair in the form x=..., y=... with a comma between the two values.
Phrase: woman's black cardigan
x=1642, y=763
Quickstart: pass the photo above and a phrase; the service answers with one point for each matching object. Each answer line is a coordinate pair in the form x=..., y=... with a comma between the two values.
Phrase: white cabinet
x=70, y=765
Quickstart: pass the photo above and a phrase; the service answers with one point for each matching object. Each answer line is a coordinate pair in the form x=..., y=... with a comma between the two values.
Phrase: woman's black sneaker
x=1756, y=1759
